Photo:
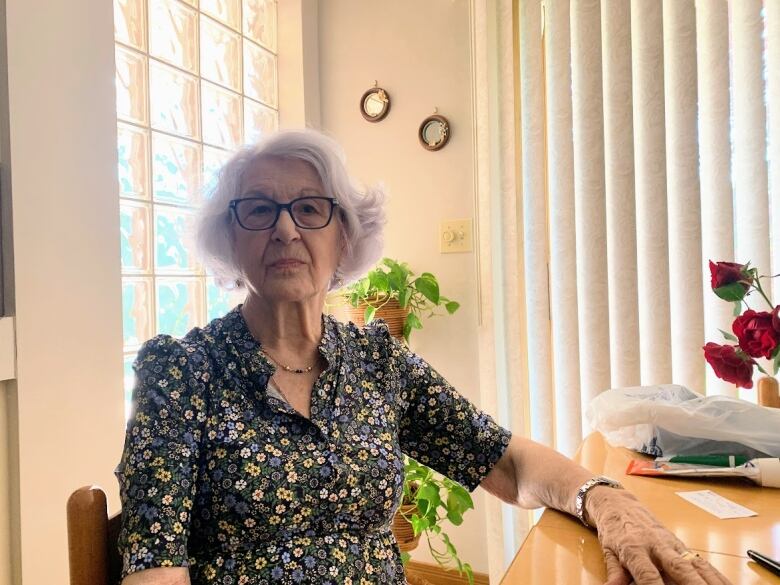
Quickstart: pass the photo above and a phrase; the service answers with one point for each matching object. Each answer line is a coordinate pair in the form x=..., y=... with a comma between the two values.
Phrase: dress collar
x=249, y=349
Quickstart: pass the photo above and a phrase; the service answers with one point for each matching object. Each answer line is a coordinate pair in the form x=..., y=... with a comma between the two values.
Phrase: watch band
x=579, y=500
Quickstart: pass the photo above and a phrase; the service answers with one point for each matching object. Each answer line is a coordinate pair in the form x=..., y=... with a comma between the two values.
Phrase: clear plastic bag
x=672, y=420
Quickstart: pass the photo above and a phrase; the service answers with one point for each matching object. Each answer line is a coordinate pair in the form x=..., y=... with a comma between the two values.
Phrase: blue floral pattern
x=219, y=476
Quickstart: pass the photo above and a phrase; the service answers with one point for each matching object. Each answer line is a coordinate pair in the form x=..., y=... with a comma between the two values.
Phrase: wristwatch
x=579, y=500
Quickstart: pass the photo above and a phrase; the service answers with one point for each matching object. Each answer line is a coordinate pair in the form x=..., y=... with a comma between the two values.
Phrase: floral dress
x=223, y=477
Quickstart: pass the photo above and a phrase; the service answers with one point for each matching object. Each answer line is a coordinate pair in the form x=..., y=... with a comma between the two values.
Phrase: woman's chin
x=288, y=290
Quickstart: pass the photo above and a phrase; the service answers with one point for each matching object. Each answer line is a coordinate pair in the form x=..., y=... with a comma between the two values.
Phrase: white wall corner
x=7, y=349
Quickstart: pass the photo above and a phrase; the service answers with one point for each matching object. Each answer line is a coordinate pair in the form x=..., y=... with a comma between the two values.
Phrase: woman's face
x=285, y=262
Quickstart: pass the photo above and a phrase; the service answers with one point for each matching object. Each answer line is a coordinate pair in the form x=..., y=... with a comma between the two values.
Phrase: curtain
x=620, y=145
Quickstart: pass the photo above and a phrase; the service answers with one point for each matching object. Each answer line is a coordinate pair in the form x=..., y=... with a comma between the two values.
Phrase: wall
x=63, y=413
x=419, y=52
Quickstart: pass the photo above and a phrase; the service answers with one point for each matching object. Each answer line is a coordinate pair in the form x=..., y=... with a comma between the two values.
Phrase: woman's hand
x=636, y=545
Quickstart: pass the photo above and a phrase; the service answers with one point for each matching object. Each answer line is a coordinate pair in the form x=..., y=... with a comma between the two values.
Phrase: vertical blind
x=649, y=137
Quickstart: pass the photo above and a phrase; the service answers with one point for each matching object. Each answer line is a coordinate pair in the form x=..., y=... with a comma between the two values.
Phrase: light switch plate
x=456, y=235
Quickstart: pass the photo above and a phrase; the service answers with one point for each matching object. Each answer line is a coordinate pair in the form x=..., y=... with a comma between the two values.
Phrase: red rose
x=757, y=337
x=776, y=318
x=724, y=273
x=729, y=365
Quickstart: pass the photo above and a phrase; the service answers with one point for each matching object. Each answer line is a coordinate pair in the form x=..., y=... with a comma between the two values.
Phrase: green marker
x=712, y=460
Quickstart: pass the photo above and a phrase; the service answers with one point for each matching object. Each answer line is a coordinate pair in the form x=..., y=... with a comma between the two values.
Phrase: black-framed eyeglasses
x=261, y=213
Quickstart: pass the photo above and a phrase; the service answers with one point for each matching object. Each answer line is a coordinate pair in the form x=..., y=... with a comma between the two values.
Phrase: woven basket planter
x=392, y=313
x=402, y=529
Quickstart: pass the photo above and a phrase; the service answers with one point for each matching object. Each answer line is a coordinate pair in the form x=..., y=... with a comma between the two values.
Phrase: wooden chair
x=768, y=394
x=92, y=538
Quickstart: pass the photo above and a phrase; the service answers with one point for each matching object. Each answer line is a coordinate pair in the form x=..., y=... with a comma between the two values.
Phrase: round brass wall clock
x=375, y=104
x=434, y=132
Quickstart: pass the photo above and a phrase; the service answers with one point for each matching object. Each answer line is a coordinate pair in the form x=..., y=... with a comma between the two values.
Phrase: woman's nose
x=285, y=229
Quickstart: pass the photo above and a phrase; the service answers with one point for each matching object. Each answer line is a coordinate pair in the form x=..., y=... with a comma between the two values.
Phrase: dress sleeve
x=159, y=467
x=441, y=428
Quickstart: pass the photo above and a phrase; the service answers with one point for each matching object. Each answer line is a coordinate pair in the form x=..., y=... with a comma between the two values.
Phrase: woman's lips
x=286, y=263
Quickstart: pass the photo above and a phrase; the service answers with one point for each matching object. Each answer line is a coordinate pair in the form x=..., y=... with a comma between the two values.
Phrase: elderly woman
x=267, y=446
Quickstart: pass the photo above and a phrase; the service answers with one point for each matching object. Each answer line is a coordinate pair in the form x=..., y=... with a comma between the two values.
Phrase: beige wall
x=65, y=407
x=419, y=52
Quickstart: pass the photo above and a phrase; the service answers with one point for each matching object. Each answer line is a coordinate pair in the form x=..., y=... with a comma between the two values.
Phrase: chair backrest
x=92, y=537
x=768, y=394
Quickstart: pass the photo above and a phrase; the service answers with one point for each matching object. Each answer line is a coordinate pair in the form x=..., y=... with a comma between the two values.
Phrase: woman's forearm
x=159, y=576
x=532, y=475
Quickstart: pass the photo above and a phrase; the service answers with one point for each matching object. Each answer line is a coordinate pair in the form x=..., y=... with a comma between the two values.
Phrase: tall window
x=194, y=80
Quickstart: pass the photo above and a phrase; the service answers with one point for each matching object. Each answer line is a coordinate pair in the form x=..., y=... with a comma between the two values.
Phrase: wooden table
x=560, y=550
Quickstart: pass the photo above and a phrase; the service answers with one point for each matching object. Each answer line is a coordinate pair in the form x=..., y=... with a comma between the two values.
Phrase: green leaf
x=369, y=314
x=459, y=499
x=378, y=280
x=413, y=321
x=729, y=336
x=427, y=499
x=395, y=282
x=450, y=547
x=455, y=517
x=418, y=524
x=762, y=370
x=429, y=288
x=776, y=365
x=404, y=296
x=407, y=332
x=469, y=573
x=731, y=292
x=737, y=309
x=452, y=306
x=405, y=556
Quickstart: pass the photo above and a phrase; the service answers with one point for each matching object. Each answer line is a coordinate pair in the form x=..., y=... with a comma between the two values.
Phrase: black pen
x=765, y=561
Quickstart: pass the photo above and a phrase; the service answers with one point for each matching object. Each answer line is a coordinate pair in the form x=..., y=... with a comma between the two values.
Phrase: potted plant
x=428, y=501
x=393, y=292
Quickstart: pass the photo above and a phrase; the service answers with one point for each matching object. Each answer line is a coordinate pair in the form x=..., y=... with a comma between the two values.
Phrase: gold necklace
x=304, y=370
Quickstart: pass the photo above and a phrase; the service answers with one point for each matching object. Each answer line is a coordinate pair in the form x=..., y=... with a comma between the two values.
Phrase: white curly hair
x=361, y=212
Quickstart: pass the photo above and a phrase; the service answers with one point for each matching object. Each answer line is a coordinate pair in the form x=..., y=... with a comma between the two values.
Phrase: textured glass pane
x=227, y=11
x=137, y=311
x=191, y=2
x=220, y=54
x=173, y=33
x=129, y=382
x=259, y=74
x=258, y=121
x=174, y=101
x=171, y=227
x=178, y=304
x=260, y=22
x=133, y=155
x=129, y=23
x=134, y=224
x=213, y=159
x=176, y=165
x=221, y=116
x=130, y=86
x=219, y=301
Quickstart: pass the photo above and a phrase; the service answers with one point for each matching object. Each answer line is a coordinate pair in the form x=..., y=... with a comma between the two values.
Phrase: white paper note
x=716, y=505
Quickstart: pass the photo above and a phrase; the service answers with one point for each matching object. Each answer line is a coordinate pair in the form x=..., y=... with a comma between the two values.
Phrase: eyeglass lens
x=307, y=212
